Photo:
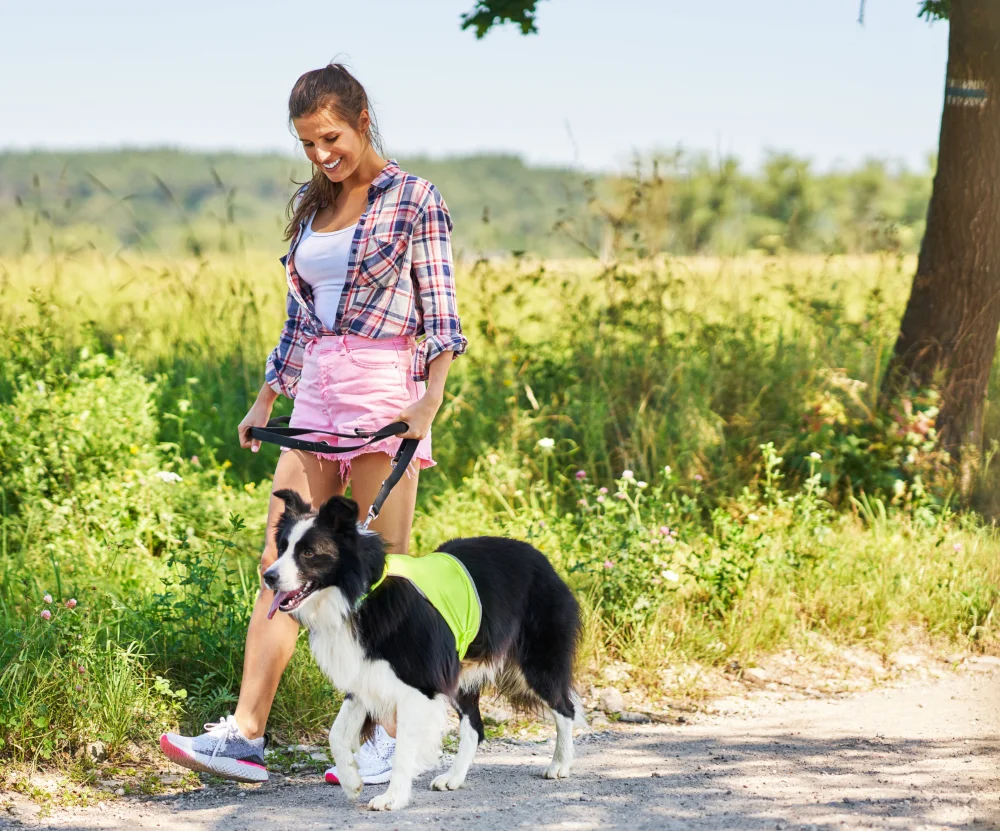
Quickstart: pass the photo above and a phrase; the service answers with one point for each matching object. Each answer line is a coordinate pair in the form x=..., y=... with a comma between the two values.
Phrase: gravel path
x=923, y=755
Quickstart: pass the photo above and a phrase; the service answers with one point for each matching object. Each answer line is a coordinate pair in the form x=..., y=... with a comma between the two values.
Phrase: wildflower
x=697, y=477
x=71, y=603
x=582, y=503
x=541, y=523
x=546, y=444
x=815, y=455
x=603, y=490
x=667, y=470
x=628, y=474
x=670, y=575
x=581, y=474
x=47, y=598
x=753, y=517
x=620, y=495
x=195, y=461
x=83, y=669
x=665, y=530
x=640, y=484
x=608, y=564
x=167, y=476
x=601, y=498
x=79, y=688
x=957, y=546
x=46, y=614
x=492, y=458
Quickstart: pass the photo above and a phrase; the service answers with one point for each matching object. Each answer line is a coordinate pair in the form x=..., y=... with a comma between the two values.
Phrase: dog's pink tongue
x=279, y=598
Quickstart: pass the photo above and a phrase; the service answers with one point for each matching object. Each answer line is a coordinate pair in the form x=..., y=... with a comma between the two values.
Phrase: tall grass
x=754, y=494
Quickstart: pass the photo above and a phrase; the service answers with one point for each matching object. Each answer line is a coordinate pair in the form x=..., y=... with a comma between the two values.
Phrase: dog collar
x=375, y=585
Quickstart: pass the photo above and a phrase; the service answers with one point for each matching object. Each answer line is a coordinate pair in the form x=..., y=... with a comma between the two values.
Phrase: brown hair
x=335, y=89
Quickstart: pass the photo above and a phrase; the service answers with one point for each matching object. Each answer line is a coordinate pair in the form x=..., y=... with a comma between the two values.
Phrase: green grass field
x=753, y=494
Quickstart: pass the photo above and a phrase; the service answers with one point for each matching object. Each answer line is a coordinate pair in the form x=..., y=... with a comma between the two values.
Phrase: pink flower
x=665, y=530
x=697, y=477
x=83, y=669
x=603, y=490
x=46, y=614
x=194, y=460
x=582, y=503
x=601, y=498
x=608, y=564
x=620, y=495
x=957, y=546
x=71, y=603
x=79, y=688
x=541, y=523
x=581, y=474
x=47, y=598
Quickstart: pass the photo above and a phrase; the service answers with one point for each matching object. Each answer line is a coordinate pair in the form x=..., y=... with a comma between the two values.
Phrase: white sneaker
x=374, y=760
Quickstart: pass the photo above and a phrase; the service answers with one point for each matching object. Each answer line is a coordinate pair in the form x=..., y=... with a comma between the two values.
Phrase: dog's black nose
x=271, y=579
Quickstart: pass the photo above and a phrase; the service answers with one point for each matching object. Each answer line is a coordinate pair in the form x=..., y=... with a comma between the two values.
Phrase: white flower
x=753, y=517
x=628, y=474
x=167, y=476
x=546, y=444
x=815, y=455
x=666, y=470
x=670, y=575
x=640, y=484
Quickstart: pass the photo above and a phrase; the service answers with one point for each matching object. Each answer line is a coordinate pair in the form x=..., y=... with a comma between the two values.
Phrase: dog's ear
x=295, y=505
x=339, y=514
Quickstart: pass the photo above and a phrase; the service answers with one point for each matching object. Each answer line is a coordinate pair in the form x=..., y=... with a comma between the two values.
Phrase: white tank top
x=321, y=260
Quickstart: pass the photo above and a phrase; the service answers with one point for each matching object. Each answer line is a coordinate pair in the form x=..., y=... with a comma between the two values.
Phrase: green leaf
x=490, y=13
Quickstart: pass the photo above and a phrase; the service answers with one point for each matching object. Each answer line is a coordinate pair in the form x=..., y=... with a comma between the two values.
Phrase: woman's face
x=334, y=146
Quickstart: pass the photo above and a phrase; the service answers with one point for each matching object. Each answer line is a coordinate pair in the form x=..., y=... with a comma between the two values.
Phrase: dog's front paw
x=557, y=770
x=447, y=782
x=350, y=781
x=389, y=801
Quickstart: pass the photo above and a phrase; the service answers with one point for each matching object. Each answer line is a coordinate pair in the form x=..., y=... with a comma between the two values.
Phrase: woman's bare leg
x=270, y=643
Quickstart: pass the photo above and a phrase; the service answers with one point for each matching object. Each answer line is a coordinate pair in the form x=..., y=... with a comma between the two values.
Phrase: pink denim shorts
x=349, y=382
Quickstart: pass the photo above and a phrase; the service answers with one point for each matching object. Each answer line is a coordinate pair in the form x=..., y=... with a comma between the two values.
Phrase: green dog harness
x=444, y=581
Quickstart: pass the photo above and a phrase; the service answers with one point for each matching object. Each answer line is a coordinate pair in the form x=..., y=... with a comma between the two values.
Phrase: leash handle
x=276, y=433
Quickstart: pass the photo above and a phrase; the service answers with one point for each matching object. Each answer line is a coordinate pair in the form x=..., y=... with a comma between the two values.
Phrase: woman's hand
x=419, y=415
x=259, y=415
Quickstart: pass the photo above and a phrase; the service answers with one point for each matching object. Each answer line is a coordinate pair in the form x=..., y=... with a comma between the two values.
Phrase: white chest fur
x=341, y=657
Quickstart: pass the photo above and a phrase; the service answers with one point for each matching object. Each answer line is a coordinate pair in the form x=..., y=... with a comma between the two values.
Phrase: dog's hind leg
x=420, y=725
x=471, y=733
x=343, y=739
x=547, y=666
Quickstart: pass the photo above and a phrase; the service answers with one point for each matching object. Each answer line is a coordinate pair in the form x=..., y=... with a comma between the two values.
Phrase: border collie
x=394, y=656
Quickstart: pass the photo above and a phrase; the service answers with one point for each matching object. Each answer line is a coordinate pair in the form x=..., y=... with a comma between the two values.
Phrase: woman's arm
x=420, y=414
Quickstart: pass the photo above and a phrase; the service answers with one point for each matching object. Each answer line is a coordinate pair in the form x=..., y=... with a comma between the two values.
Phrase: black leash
x=277, y=432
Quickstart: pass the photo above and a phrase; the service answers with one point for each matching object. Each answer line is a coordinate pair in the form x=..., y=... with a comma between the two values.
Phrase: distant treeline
x=175, y=201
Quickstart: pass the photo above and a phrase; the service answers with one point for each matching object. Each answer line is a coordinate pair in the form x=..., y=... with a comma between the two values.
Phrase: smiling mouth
x=290, y=601
x=334, y=165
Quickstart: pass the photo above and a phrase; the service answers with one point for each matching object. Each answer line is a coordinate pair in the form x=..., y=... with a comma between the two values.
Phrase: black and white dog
x=394, y=655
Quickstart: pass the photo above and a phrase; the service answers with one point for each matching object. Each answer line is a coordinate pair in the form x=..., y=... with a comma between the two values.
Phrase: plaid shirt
x=400, y=280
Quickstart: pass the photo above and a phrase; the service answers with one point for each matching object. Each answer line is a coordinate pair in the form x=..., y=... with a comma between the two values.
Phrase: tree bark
x=948, y=334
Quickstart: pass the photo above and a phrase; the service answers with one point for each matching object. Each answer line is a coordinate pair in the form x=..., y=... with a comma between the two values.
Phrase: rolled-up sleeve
x=284, y=364
x=434, y=275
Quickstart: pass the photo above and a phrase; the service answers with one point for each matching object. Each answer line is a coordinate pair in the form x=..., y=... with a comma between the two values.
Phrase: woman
x=369, y=268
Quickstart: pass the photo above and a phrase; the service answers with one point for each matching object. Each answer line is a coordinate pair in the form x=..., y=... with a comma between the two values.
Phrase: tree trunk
x=948, y=334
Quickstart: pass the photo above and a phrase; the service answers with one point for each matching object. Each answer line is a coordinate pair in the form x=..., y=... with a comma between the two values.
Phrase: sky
x=598, y=83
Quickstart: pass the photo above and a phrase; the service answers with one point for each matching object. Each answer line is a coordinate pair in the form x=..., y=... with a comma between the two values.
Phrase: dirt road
x=918, y=756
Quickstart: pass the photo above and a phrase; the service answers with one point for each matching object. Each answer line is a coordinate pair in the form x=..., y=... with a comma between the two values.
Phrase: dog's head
x=316, y=550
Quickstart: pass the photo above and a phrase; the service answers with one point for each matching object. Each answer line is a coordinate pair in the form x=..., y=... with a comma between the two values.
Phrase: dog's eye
x=307, y=553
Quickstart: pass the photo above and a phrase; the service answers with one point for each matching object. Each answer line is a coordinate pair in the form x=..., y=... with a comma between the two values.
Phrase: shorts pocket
x=373, y=357
x=383, y=259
